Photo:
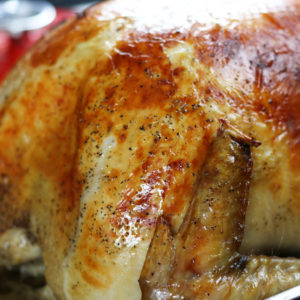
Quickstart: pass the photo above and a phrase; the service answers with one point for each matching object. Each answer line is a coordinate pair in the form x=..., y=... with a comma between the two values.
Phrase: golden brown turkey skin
x=107, y=121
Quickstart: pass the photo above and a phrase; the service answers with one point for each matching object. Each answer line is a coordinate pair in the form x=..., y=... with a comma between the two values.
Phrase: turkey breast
x=152, y=148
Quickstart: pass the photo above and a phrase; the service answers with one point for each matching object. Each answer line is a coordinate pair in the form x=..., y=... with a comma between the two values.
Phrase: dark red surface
x=11, y=50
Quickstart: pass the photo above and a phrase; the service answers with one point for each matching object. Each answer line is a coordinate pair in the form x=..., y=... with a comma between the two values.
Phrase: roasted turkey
x=151, y=149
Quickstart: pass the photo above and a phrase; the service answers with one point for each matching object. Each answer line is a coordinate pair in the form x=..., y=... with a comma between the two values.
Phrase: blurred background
x=23, y=22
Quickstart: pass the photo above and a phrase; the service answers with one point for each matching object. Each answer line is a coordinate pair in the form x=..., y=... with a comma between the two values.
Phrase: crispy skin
x=201, y=260
x=106, y=122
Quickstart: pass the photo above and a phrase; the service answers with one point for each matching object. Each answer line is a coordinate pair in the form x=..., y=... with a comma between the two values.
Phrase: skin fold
x=107, y=126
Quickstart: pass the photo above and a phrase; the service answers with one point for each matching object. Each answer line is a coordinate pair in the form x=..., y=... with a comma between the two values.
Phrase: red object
x=11, y=50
